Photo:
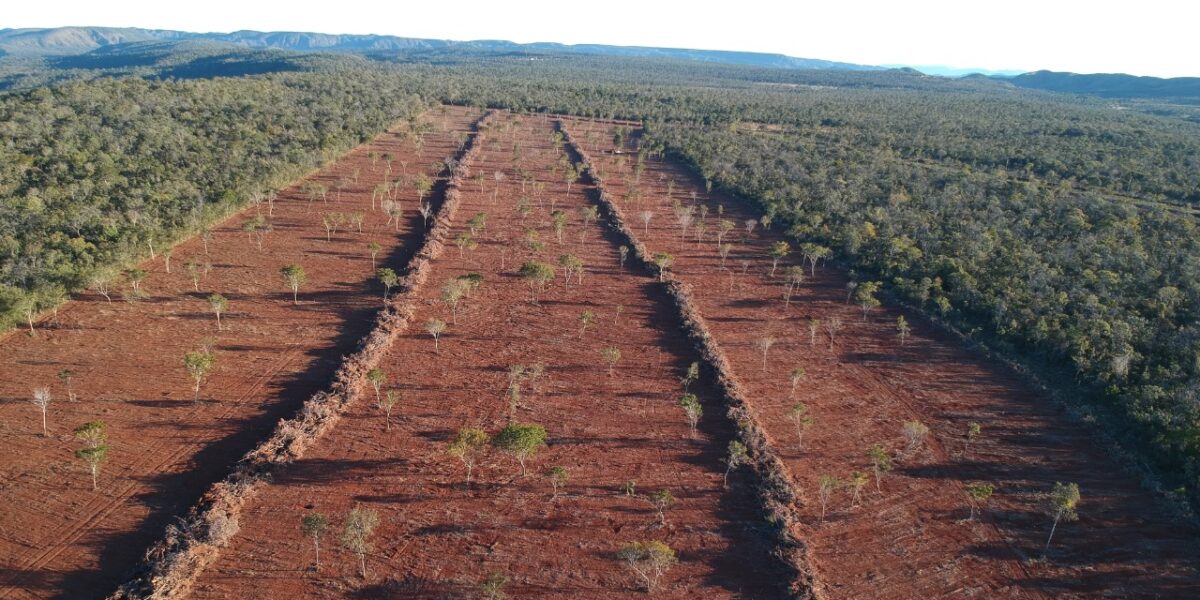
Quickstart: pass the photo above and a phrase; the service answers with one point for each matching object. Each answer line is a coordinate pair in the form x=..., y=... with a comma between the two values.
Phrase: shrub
x=493, y=586
x=979, y=494
x=738, y=455
x=915, y=433
x=611, y=357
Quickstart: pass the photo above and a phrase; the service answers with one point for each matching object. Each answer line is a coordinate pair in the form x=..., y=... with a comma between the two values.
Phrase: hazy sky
x=1146, y=37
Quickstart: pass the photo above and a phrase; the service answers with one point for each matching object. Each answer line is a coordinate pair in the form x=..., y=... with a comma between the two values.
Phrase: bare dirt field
x=60, y=538
x=438, y=537
x=910, y=539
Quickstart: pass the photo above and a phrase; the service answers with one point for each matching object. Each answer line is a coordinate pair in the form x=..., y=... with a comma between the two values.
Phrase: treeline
x=95, y=175
x=1061, y=274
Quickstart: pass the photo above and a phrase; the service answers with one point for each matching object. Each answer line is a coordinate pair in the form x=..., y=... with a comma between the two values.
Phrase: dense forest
x=1058, y=230
x=94, y=175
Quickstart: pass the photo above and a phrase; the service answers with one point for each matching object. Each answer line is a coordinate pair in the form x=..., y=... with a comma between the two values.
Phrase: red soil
x=60, y=538
x=436, y=536
x=908, y=541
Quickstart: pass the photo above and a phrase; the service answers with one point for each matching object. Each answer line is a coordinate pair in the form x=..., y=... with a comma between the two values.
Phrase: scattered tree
x=692, y=410
x=857, y=481
x=690, y=376
x=356, y=535
x=376, y=377
x=646, y=216
x=41, y=399
x=663, y=261
x=435, y=327
x=865, y=296
x=586, y=318
x=798, y=415
x=648, y=560
x=826, y=485
x=1061, y=504
x=814, y=254
x=66, y=376
x=798, y=374
x=94, y=452
x=373, y=248
x=558, y=477
x=452, y=295
x=387, y=403
x=738, y=455
x=881, y=463
x=793, y=277
x=623, y=251
x=536, y=274
x=217, y=304
x=522, y=440
x=468, y=446
x=314, y=525
x=294, y=276
x=979, y=494
x=388, y=278
x=464, y=241
x=493, y=586
x=814, y=325
x=832, y=326
x=661, y=500
x=915, y=433
x=779, y=251
x=198, y=365
x=611, y=357
x=764, y=345
x=973, y=431
x=902, y=329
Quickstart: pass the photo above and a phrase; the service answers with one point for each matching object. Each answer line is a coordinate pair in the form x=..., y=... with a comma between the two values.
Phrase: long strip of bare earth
x=58, y=537
x=861, y=383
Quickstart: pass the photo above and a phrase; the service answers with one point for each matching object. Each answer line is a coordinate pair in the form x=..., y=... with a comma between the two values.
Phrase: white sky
x=1147, y=37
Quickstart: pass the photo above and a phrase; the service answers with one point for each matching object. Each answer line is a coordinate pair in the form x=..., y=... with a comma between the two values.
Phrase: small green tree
x=865, y=296
x=779, y=251
x=477, y=223
x=493, y=586
x=558, y=477
x=521, y=440
x=857, y=481
x=572, y=265
x=1061, y=504
x=388, y=278
x=559, y=218
x=814, y=254
x=294, y=276
x=764, y=345
x=738, y=455
x=814, y=326
x=611, y=357
x=536, y=274
x=217, y=304
x=793, y=277
x=690, y=376
x=797, y=375
x=648, y=560
x=94, y=435
x=979, y=494
x=692, y=410
x=973, y=431
x=376, y=377
x=452, y=295
x=902, y=329
x=826, y=485
x=389, y=401
x=798, y=415
x=373, y=248
x=468, y=446
x=464, y=241
x=435, y=328
x=663, y=261
x=356, y=534
x=314, y=525
x=661, y=500
x=881, y=463
x=724, y=226
x=198, y=364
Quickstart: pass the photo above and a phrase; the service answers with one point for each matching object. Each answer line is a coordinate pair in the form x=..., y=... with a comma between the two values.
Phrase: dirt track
x=57, y=536
x=907, y=540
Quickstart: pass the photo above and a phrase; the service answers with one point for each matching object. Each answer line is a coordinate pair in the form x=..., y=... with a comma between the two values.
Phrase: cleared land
x=437, y=537
x=58, y=537
x=908, y=539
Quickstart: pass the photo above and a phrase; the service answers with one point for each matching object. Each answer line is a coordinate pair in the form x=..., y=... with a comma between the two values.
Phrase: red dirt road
x=907, y=541
x=438, y=538
x=60, y=538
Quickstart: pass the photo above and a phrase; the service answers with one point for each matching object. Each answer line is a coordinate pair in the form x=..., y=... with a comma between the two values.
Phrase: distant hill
x=1110, y=85
x=79, y=40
